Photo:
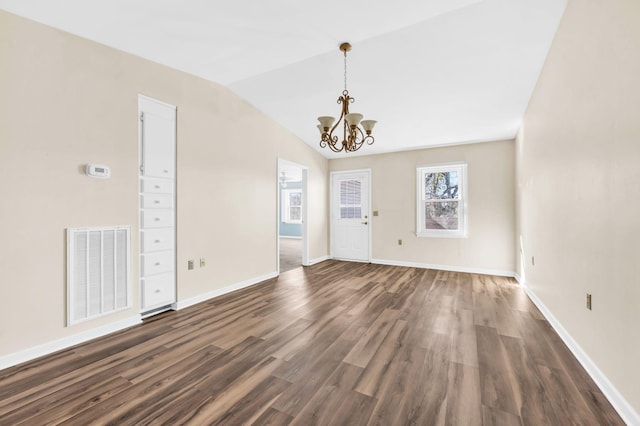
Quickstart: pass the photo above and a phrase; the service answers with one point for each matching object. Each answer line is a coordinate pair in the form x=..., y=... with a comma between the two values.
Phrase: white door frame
x=370, y=225
x=305, y=240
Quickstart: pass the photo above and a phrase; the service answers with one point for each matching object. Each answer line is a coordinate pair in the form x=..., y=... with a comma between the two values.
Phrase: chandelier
x=355, y=131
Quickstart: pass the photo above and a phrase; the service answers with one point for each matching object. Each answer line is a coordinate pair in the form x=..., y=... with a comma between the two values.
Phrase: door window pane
x=350, y=199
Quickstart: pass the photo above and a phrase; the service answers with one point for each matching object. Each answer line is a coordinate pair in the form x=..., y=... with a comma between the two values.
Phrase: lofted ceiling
x=432, y=72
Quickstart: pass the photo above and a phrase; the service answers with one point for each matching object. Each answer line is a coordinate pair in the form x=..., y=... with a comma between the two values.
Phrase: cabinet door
x=158, y=290
x=156, y=218
x=157, y=239
x=157, y=263
x=156, y=201
x=156, y=186
x=158, y=131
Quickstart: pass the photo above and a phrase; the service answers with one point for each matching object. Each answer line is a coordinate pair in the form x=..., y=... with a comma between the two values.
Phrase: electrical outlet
x=588, y=301
x=399, y=242
x=202, y=262
x=190, y=264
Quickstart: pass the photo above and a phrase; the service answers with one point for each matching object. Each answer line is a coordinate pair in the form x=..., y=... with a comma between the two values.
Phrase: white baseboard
x=224, y=290
x=519, y=279
x=483, y=271
x=66, y=342
x=317, y=260
x=620, y=404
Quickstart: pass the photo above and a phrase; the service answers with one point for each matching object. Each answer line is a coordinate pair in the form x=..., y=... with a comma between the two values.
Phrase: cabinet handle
x=157, y=187
x=156, y=201
x=157, y=263
x=157, y=291
x=156, y=219
x=157, y=241
x=166, y=171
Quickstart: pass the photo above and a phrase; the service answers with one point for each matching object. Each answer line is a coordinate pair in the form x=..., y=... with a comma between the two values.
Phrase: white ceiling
x=432, y=72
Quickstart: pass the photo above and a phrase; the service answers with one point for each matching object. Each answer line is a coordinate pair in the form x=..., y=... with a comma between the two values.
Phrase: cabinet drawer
x=157, y=239
x=156, y=186
x=156, y=201
x=158, y=291
x=157, y=263
x=156, y=218
x=160, y=167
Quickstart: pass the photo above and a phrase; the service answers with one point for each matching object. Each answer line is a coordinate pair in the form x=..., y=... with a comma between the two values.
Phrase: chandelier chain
x=345, y=71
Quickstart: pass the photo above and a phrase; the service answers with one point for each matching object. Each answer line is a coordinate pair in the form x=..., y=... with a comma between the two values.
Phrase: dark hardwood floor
x=333, y=344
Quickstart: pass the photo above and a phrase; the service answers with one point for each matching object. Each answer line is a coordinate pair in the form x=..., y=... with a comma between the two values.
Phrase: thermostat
x=98, y=171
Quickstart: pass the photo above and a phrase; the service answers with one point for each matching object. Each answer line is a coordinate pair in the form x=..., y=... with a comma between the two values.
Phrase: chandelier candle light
x=354, y=130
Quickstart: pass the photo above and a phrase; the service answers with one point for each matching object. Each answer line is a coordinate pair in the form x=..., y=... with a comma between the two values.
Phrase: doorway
x=350, y=215
x=292, y=247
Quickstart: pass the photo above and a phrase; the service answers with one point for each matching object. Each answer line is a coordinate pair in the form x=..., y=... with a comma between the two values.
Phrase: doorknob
x=365, y=223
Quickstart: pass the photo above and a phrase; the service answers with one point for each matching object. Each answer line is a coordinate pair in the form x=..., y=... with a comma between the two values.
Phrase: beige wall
x=489, y=246
x=578, y=167
x=66, y=102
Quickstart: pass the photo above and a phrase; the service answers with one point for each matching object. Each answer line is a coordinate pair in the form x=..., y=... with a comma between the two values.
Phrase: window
x=441, y=201
x=292, y=205
x=350, y=199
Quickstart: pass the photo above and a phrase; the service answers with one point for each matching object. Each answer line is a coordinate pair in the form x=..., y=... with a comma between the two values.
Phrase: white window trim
x=442, y=233
x=286, y=211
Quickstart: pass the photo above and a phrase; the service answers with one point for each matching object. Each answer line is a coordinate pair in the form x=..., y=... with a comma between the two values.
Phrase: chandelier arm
x=343, y=116
x=369, y=140
x=358, y=138
x=346, y=134
x=331, y=139
x=324, y=144
x=334, y=143
x=345, y=110
x=333, y=147
x=326, y=141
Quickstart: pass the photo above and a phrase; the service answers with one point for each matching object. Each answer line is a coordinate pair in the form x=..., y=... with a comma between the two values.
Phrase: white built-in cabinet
x=157, y=204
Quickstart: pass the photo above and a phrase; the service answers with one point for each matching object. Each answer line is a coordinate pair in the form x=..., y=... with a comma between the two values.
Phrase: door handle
x=365, y=223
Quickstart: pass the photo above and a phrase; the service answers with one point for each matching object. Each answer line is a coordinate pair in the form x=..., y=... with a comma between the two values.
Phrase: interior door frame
x=305, y=215
x=369, y=210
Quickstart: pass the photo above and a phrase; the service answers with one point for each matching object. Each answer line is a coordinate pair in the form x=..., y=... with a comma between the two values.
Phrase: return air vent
x=98, y=262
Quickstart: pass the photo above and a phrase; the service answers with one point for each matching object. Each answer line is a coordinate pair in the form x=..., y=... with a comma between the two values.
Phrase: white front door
x=350, y=215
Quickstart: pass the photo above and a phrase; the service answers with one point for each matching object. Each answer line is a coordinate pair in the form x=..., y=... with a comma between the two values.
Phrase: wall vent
x=98, y=276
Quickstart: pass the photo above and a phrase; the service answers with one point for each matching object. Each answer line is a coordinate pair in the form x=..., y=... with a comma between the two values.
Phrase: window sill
x=441, y=234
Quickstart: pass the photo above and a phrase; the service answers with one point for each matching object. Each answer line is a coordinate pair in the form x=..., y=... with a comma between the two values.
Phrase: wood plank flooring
x=333, y=344
x=290, y=254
